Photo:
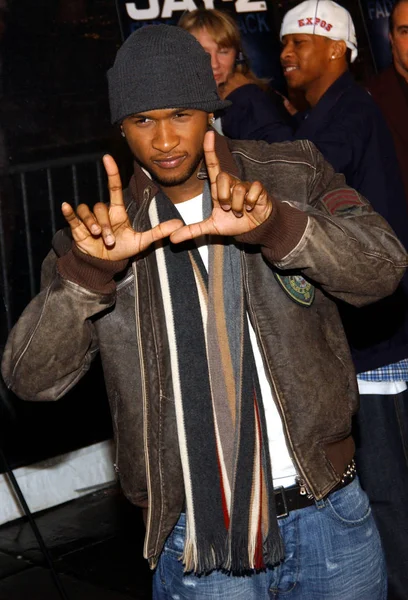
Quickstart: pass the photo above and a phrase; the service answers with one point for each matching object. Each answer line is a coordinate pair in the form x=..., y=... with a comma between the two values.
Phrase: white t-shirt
x=217, y=125
x=381, y=388
x=283, y=469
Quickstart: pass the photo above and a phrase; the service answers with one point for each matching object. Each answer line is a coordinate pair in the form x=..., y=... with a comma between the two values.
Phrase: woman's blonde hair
x=225, y=33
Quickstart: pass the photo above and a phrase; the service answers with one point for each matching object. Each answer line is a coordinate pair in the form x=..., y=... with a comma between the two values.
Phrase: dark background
x=54, y=55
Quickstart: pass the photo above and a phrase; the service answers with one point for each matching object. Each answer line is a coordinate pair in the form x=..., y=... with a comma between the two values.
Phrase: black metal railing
x=30, y=196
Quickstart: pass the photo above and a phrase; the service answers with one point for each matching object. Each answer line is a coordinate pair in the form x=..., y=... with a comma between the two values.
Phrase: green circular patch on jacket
x=297, y=288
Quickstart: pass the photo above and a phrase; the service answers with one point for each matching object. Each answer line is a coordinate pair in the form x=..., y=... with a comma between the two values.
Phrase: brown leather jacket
x=319, y=229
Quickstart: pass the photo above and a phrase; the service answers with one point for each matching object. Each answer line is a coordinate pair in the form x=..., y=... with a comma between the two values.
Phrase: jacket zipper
x=122, y=283
x=119, y=286
x=305, y=488
x=145, y=404
x=146, y=198
x=115, y=416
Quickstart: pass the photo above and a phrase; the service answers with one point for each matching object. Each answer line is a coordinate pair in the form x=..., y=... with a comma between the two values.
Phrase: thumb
x=159, y=232
x=194, y=230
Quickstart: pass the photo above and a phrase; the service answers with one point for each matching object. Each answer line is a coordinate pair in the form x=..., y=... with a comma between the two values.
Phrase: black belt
x=295, y=496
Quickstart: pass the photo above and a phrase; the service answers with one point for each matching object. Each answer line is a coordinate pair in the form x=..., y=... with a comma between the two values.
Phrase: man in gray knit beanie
x=161, y=67
x=209, y=287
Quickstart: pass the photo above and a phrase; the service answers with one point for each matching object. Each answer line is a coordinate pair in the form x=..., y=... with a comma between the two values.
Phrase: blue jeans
x=332, y=552
x=381, y=435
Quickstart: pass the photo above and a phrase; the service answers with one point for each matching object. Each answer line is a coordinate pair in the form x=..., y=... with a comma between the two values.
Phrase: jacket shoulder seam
x=274, y=160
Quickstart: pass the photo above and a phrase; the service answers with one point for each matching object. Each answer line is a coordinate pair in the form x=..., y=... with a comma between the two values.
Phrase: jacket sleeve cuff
x=94, y=274
x=279, y=234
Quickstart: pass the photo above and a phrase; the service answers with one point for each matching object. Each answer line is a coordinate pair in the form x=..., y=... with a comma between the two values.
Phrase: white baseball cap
x=322, y=17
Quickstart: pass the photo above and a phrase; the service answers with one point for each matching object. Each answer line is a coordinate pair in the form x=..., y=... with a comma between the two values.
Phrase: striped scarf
x=230, y=508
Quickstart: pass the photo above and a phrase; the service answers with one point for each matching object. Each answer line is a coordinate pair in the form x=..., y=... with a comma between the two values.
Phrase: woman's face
x=222, y=59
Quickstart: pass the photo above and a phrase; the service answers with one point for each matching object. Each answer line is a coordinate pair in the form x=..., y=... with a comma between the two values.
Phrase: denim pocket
x=175, y=542
x=350, y=505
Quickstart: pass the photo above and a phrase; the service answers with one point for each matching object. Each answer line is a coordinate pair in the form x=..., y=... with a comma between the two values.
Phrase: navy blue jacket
x=255, y=115
x=348, y=128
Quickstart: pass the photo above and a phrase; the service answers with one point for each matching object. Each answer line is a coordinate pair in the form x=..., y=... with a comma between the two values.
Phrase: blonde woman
x=255, y=113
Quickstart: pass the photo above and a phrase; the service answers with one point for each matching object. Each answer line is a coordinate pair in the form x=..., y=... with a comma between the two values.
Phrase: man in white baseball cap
x=343, y=121
x=324, y=18
x=319, y=40
x=345, y=124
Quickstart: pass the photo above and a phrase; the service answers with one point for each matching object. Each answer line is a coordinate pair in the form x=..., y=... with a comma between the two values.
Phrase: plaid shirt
x=396, y=372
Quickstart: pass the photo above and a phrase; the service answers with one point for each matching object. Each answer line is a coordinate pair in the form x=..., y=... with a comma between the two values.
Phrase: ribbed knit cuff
x=281, y=233
x=94, y=274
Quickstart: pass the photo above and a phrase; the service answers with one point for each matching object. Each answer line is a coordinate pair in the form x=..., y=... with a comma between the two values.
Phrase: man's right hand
x=106, y=232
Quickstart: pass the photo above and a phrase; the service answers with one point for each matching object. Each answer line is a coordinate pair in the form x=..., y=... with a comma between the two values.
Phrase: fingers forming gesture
x=107, y=232
x=238, y=206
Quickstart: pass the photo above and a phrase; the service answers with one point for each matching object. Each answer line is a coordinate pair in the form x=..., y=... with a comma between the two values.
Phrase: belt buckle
x=281, y=490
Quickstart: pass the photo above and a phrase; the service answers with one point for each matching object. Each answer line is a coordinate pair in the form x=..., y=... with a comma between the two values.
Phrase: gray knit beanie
x=158, y=67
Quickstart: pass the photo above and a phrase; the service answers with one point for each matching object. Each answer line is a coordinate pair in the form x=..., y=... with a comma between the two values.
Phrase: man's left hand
x=238, y=206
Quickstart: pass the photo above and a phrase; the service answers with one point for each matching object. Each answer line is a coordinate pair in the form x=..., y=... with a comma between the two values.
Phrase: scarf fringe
x=241, y=562
x=236, y=560
x=209, y=557
x=273, y=550
x=240, y=559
